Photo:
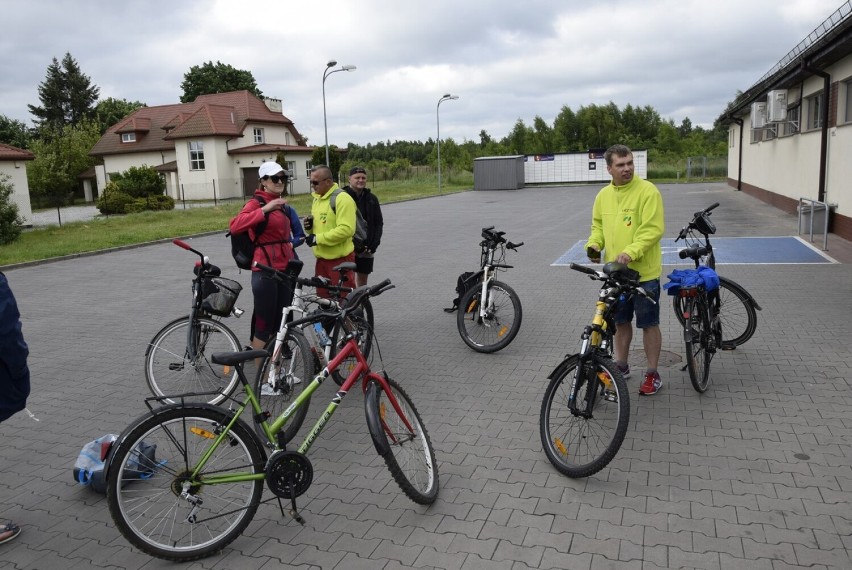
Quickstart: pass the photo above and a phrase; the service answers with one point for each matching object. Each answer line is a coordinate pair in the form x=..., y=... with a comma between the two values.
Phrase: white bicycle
x=296, y=354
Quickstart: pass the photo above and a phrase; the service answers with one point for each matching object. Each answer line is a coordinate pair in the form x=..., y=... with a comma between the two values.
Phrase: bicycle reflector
x=688, y=292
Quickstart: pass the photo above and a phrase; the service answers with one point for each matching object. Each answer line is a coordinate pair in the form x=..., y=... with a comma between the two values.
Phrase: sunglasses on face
x=276, y=179
x=318, y=182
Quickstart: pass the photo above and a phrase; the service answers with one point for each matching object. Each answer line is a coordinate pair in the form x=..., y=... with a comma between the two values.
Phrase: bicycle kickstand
x=294, y=511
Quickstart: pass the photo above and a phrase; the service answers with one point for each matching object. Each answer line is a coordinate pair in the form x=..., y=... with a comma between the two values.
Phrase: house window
x=287, y=137
x=196, y=155
x=732, y=140
x=308, y=167
x=814, y=110
x=128, y=137
x=291, y=168
x=791, y=124
x=847, y=115
x=258, y=136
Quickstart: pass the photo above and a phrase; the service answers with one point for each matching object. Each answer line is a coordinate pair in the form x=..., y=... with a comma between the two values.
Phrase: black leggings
x=270, y=297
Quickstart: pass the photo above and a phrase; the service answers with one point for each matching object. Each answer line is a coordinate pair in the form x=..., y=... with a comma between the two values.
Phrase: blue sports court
x=729, y=251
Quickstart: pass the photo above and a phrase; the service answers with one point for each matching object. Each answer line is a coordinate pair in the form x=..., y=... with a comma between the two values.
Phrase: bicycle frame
x=489, y=270
x=361, y=370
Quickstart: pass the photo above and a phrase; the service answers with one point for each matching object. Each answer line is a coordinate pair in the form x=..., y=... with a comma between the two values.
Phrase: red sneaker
x=651, y=385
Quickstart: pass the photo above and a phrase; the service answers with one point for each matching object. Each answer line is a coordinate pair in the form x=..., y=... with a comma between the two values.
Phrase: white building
x=208, y=149
x=790, y=134
x=13, y=163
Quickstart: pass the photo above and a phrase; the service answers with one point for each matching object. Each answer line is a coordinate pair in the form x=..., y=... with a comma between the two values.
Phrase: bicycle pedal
x=610, y=396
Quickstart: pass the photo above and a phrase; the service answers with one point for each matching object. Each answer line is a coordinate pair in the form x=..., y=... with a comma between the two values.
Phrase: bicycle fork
x=587, y=369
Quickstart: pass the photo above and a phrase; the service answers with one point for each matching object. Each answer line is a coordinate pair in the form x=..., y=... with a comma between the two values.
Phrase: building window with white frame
x=847, y=99
x=291, y=168
x=128, y=137
x=258, y=136
x=308, y=167
x=287, y=137
x=196, y=155
x=814, y=110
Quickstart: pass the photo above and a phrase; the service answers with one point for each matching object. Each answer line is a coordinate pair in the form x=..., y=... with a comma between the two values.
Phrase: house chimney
x=274, y=105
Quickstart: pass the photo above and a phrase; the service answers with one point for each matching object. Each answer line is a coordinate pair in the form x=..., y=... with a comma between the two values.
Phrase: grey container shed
x=498, y=173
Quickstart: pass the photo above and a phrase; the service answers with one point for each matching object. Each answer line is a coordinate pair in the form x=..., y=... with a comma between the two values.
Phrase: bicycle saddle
x=620, y=272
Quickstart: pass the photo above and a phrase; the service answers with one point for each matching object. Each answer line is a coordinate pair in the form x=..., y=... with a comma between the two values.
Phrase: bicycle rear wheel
x=159, y=506
x=736, y=312
x=581, y=441
x=499, y=326
x=362, y=321
x=172, y=368
x=408, y=453
x=697, y=341
x=293, y=371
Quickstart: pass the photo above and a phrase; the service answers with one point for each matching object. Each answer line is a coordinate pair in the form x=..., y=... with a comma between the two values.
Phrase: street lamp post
x=325, y=74
x=446, y=97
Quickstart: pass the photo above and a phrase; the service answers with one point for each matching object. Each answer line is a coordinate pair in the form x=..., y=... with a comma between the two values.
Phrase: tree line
x=590, y=127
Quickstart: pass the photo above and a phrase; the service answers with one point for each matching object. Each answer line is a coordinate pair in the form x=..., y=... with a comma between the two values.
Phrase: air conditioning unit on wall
x=758, y=114
x=776, y=106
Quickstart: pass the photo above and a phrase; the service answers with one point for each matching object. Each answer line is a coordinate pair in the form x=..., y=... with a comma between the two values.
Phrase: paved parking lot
x=756, y=473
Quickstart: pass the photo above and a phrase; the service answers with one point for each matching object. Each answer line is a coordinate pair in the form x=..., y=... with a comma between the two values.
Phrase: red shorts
x=325, y=268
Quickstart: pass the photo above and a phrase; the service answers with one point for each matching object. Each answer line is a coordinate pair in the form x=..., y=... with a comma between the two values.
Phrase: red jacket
x=278, y=251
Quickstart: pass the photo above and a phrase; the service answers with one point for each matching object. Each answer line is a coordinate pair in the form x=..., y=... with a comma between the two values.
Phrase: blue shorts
x=647, y=313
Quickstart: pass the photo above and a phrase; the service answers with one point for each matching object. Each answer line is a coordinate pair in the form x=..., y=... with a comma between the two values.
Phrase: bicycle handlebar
x=316, y=281
x=496, y=237
x=587, y=270
x=693, y=223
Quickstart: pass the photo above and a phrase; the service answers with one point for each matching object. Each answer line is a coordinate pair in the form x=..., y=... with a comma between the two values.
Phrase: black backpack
x=242, y=246
x=465, y=281
x=360, y=237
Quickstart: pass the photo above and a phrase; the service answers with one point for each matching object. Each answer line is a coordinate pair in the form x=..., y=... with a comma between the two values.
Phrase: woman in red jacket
x=266, y=218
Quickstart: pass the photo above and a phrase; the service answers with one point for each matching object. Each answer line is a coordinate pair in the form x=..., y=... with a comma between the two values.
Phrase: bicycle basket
x=220, y=295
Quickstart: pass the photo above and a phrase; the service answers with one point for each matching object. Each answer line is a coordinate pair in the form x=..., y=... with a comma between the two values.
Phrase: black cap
x=357, y=170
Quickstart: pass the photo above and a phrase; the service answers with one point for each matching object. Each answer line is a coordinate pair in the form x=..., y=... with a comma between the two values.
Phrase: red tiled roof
x=263, y=148
x=217, y=114
x=9, y=152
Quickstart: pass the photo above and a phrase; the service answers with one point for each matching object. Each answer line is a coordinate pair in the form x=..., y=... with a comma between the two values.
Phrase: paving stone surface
x=756, y=473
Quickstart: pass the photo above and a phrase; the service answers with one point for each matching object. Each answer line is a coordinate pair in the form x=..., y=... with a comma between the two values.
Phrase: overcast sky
x=504, y=59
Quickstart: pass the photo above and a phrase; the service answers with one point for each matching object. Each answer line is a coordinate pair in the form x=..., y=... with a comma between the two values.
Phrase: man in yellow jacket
x=330, y=230
x=628, y=224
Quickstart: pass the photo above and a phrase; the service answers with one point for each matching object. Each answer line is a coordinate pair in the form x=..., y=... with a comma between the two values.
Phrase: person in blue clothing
x=14, y=372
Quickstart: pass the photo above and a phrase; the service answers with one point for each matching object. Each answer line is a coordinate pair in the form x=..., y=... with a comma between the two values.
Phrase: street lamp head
x=447, y=95
x=331, y=63
x=348, y=68
x=454, y=96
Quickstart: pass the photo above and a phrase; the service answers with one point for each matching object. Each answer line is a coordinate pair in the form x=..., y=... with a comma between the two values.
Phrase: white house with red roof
x=13, y=162
x=208, y=149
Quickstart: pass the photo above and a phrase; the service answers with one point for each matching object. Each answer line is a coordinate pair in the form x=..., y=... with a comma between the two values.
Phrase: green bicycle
x=201, y=485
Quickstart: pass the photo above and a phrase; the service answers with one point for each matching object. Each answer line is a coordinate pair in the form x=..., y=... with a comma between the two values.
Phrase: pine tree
x=66, y=94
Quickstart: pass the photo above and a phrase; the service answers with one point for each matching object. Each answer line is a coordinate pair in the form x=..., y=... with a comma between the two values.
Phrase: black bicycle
x=489, y=315
x=586, y=408
x=737, y=308
x=177, y=359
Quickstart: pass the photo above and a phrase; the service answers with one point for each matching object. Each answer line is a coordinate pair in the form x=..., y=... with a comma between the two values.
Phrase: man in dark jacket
x=369, y=207
x=14, y=372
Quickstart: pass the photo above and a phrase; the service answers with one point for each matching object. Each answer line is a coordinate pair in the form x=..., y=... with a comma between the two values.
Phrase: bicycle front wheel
x=156, y=502
x=292, y=371
x=362, y=321
x=407, y=451
x=501, y=322
x=582, y=437
x=736, y=312
x=172, y=367
x=697, y=339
